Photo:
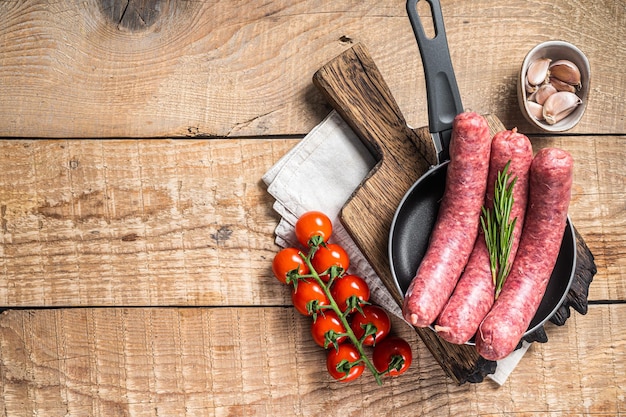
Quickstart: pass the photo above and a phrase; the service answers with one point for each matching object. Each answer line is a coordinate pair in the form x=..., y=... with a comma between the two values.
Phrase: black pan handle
x=442, y=92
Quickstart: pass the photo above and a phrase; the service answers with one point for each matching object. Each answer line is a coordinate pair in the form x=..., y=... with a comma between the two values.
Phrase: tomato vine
x=318, y=291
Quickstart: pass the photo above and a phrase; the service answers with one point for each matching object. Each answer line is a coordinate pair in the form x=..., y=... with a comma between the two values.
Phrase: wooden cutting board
x=353, y=85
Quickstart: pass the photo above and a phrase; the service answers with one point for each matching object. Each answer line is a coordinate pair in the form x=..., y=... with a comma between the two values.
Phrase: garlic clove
x=535, y=109
x=543, y=92
x=566, y=71
x=529, y=88
x=559, y=105
x=537, y=71
x=562, y=86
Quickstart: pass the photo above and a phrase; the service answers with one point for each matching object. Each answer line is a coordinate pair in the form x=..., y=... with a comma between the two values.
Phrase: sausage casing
x=456, y=227
x=551, y=176
x=473, y=295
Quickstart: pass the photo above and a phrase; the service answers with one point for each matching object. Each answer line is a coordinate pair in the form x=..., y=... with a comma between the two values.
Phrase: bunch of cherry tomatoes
x=344, y=321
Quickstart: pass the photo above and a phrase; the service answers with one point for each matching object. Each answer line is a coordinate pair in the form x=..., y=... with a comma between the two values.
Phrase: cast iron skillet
x=417, y=212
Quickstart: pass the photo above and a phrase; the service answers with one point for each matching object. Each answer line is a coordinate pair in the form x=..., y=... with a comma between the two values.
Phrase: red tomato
x=313, y=223
x=328, y=256
x=393, y=354
x=287, y=260
x=340, y=363
x=349, y=286
x=325, y=324
x=307, y=294
x=375, y=321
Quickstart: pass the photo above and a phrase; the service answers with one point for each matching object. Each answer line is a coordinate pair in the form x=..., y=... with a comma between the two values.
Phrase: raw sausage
x=473, y=296
x=456, y=227
x=551, y=175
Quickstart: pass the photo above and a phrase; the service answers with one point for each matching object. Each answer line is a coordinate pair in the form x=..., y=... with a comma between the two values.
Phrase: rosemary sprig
x=498, y=228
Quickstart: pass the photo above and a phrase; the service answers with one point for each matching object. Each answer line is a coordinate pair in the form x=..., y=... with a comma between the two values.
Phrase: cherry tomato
x=328, y=256
x=349, y=286
x=308, y=293
x=339, y=363
x=327, y=323
x=287, y=260
x=393, y=354
x=373, y=317
x=313, y=223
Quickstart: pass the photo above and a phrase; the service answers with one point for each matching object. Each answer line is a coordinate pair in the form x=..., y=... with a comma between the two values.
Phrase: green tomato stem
x=343, y=318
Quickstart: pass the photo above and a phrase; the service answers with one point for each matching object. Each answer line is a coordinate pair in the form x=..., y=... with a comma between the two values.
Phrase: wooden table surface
x=136, y=236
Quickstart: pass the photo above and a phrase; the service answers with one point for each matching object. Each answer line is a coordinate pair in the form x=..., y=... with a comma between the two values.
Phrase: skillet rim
x=568, y=244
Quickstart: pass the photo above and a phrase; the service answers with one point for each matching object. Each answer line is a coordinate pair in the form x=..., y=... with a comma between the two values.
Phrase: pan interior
x=560, y=280
x=410, y=232
x=413, y=223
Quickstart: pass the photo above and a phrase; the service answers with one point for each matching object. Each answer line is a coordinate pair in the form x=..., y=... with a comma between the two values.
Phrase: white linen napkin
x=320, y=173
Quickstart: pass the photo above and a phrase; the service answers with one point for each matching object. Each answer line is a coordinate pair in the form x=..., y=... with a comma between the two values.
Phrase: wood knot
x=132, y=15
x=346, y=39
x=222, y=234
x=130, y=237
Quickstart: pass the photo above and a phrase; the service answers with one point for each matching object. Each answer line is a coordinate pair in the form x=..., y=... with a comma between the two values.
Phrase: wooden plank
x=188, y=222
x=222, y=68
x=261, y=361
x=157, y=222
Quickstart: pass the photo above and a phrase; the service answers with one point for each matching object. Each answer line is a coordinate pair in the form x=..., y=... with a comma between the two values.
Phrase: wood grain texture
x=261, y=362
x=356, y=89
x=162, y=222
x=110, y=226
x=223, y=68
x=155, y=222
